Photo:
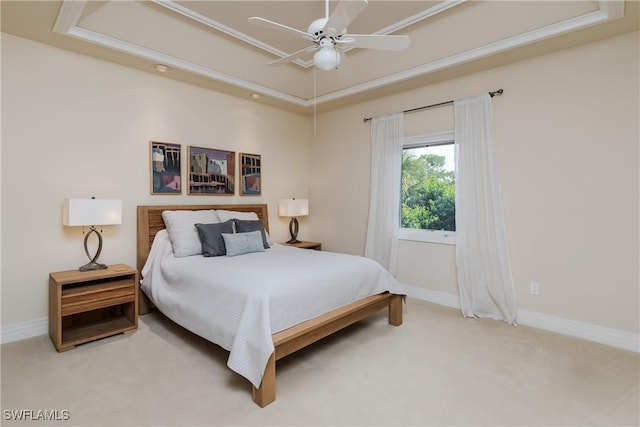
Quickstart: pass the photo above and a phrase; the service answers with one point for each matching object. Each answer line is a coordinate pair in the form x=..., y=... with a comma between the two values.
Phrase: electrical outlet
x=535, y=288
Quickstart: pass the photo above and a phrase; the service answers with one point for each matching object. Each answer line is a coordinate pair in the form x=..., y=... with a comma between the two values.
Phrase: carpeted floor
x=436, y=369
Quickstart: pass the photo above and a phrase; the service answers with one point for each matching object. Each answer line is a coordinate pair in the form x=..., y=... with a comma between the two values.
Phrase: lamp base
x=90, y=266
x=293, y=230
x=292, y=241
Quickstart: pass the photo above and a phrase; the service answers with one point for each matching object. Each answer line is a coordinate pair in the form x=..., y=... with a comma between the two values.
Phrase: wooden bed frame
x=291, y=339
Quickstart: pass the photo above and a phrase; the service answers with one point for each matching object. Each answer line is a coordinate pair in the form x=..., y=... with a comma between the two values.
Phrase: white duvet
x=239, y=302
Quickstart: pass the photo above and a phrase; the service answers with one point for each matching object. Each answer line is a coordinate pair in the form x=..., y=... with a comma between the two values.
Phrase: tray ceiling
x=211, y=43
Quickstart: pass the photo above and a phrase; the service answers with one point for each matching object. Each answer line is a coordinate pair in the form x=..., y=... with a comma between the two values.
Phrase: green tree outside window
x=428, y=192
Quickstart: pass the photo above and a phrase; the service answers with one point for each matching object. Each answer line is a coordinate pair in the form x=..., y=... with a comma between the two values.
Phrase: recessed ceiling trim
x=68, y=16
x=71, y=11
x=427, y=13
x=211, y=23
x=566, y=26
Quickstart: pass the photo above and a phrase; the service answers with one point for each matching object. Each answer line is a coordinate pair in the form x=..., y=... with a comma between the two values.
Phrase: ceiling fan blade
x=345, y=12
x=299, y=54
x=275, y=26
x=375, y=41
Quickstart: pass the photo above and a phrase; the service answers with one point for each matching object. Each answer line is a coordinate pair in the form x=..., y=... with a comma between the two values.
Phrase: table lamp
x=293, y=208
x=92, y=212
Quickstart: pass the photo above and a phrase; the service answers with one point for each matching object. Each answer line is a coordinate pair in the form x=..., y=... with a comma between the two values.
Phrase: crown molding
x=71, y=12
x=180, y=64
x=549, y=31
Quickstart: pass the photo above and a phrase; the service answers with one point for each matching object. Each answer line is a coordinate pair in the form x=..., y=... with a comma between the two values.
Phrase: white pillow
x=182, y=231
x=227, y=215
x=250, y=216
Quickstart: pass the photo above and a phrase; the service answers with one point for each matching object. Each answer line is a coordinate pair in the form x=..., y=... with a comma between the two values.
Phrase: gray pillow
x=245, y=226
x=211, y=237
x=243, y=243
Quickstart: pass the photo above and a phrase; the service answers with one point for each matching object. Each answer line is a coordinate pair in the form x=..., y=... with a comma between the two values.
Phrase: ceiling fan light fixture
x=326, y=32
x=327, y=58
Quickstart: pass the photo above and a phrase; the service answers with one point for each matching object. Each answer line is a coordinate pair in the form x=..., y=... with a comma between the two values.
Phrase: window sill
x=428, y=236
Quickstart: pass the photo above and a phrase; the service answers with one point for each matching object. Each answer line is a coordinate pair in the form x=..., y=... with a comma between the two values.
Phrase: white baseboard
x=24, y=330
x=587, y=331
x=440, y=298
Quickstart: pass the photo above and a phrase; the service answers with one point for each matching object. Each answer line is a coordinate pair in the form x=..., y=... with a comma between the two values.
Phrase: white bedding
x=239, y=302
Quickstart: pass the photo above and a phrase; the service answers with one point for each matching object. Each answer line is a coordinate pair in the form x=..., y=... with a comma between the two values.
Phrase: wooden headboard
x=150, y=222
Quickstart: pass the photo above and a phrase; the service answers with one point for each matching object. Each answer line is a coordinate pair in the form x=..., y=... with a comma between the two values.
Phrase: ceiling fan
x=329, y=36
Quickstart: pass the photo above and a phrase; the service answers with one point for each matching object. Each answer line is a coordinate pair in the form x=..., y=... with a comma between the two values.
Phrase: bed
x=293, y=330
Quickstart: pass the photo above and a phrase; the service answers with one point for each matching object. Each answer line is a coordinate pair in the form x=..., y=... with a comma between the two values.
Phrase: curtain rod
x=491, y=94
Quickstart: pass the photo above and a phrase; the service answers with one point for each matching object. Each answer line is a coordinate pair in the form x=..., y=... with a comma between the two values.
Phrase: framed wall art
x=165, y=168
x=211, y=171
x=250, y=174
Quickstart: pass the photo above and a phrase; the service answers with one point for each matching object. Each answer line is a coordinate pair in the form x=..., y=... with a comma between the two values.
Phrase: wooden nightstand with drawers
x=86, y=306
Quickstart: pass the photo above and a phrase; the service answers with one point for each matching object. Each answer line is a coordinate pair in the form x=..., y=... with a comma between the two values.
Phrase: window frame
x=414, y=234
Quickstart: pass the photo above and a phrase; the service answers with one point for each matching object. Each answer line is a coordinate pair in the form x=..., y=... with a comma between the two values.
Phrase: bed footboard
x=303, y=334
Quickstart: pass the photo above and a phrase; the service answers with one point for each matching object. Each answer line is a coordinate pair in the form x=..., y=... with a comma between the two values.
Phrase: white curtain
x=482, y=256
x=384, y=201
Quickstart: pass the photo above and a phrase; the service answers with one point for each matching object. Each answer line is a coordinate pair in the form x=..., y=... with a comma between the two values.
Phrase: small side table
x=306, y=245
x=89, y=305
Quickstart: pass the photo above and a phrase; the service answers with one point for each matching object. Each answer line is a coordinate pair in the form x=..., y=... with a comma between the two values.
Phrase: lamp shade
x=293, y=207
x=77, y=212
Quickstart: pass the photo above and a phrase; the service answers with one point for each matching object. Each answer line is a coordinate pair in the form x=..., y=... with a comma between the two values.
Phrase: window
x=428, y=189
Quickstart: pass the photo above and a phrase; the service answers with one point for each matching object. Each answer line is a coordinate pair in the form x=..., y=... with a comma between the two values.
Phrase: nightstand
x=306, y=245
x=89, y=305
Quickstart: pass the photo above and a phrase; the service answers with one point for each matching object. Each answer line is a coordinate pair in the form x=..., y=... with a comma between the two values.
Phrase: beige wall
x=567, y=147
x=567, y=135
x=74, y=127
